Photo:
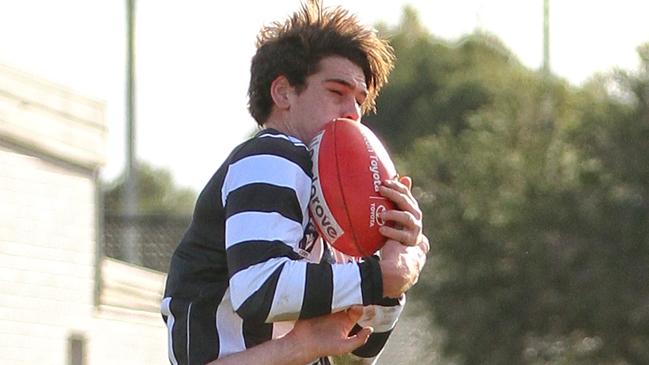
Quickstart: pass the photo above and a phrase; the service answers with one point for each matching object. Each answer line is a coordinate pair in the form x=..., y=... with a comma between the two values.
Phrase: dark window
x=76, y=349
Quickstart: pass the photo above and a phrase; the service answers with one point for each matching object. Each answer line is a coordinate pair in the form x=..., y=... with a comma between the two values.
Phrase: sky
x=193, y=58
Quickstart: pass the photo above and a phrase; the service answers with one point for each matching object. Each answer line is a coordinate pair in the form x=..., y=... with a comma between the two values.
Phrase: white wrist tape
x=381, y=318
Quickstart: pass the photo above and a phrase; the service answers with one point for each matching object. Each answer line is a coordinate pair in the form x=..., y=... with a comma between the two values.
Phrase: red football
x=349, y=164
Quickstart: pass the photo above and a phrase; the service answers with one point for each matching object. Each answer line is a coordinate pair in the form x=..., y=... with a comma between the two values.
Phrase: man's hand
x=309, y=340
x=401, y=265
x=404, y=254
x=407, y=218
x=329, y=335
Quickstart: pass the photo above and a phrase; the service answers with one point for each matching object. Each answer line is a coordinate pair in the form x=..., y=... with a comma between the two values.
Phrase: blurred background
x=525, y=126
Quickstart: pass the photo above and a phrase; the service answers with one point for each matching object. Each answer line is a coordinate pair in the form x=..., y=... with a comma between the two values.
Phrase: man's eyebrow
x=346, y=84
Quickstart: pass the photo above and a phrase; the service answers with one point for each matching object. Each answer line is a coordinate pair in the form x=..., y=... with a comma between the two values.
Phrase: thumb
x=357, y=340
x=407, y=181
x=354, y=313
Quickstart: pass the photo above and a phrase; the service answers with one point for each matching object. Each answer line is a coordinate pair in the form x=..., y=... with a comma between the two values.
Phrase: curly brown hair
x=295, y=47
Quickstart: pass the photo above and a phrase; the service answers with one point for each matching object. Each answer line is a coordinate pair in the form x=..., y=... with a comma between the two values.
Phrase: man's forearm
x=281, y=351
x=308, y=340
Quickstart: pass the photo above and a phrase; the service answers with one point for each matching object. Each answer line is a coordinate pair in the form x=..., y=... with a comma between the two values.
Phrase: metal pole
x=546, y=36
x=130, y=188
x=547, y=101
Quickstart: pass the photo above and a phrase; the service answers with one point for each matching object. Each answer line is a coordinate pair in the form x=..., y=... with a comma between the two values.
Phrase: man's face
x=337, y=90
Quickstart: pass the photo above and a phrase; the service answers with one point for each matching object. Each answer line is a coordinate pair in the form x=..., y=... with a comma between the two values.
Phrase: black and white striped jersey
x=238, y=269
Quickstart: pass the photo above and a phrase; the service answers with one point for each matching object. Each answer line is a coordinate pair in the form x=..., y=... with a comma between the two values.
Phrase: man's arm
x=382, y=318
x=309, y=340
x=404, y=254
x=265, y=195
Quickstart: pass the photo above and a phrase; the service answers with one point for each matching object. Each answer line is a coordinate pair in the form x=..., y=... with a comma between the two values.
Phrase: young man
x=250, y=264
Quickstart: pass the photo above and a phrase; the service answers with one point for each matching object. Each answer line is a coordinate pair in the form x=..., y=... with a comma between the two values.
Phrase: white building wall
x=128, y=317
x=47, y=256
x=52, y=144
x=128, y=342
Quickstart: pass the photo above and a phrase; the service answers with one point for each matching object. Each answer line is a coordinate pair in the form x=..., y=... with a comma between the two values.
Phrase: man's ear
x=280, y=90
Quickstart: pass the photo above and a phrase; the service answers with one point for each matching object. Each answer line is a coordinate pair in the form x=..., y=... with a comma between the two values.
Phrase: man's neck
x=280, y=125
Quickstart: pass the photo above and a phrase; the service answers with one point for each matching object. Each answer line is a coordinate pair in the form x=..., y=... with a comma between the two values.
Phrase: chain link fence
x=144, y=240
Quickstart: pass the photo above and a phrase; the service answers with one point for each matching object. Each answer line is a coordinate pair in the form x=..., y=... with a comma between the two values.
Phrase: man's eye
x=337, y=92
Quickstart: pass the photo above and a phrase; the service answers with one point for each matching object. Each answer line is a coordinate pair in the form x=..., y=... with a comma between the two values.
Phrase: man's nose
x=352, y=111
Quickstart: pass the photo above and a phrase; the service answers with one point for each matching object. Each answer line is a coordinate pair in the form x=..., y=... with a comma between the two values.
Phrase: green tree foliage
x=436, y=83
x=536, y=200
x=157, y=193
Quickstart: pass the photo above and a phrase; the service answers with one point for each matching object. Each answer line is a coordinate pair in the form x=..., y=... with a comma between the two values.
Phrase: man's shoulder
x=270, y=142
x=273, y=136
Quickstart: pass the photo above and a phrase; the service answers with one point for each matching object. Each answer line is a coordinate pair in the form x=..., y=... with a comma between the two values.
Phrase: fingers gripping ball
x=349, y=164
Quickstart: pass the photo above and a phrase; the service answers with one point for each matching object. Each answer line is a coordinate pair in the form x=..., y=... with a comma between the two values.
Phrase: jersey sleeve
x=383, y=318
x=265, y=194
